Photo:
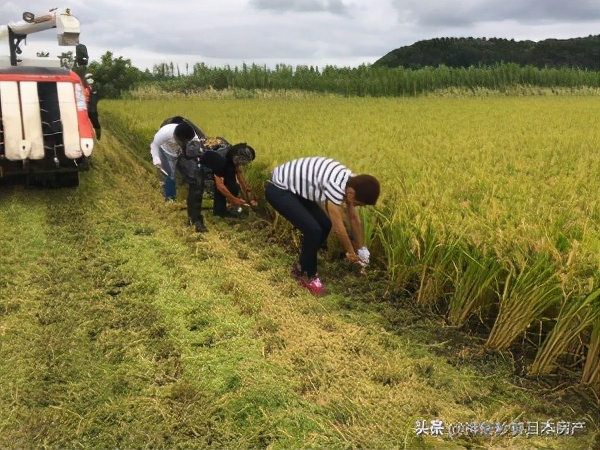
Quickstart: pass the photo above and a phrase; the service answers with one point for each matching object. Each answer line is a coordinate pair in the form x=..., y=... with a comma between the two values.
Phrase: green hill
x=583, y=53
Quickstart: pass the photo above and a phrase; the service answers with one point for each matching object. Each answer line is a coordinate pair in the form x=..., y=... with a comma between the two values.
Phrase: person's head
x=363, y=190
x=242, y=154
x=184, y=133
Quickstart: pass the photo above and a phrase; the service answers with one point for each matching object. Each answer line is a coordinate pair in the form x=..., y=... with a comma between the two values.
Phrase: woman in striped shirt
x=295, y=190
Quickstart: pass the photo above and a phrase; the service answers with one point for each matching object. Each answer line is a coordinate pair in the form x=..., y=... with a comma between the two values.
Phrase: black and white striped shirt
x=315, y=178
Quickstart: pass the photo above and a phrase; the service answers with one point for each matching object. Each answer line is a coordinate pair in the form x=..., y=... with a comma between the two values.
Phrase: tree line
x=582, y=53
x=115, y=76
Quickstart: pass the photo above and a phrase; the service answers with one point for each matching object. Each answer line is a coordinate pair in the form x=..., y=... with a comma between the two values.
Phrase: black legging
x=306, y=216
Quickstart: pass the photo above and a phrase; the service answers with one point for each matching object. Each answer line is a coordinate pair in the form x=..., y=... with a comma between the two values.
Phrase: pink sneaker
x=315, y=286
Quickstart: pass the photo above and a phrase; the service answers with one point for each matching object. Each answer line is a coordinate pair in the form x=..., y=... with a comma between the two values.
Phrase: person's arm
x=337, y=222
x=220, y=185
x=356, y=226
x=245, y=186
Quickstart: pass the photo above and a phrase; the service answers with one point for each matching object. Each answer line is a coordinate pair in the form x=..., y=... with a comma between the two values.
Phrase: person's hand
x=161, y=170
x=353, y=258
x=253, y=203
x=364, y=255
x=239, y=202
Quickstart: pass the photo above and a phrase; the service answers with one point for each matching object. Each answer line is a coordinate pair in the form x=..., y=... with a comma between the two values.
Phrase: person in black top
x=91, y=96
x=229, y=180
x=214, y=157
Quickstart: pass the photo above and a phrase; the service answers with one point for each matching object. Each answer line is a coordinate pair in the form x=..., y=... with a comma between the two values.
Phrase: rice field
x=489, y=205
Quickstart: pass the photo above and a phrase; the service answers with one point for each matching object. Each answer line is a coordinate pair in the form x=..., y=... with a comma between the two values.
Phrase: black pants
x=194, y=201
x=93, y=115
x=306, y=216
x=220, y=201
x=194, y=177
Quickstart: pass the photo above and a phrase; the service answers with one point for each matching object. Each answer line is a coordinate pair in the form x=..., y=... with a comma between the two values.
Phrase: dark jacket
x=189, y=163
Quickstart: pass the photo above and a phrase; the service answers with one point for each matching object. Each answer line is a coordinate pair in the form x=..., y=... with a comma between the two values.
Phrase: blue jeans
x=169, y=187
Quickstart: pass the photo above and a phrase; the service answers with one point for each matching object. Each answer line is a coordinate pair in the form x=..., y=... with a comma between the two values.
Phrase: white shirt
x=165, y=140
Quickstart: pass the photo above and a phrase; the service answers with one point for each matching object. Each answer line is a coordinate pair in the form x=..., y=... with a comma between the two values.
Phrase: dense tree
x=114, y=76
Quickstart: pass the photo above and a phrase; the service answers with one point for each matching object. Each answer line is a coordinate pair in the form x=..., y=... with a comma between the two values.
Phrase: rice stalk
x=591, y=370
x=475, y=279
x=436, y=255
x=527, y=293
x=369, y=219
x=574, y=318
x=395, y=242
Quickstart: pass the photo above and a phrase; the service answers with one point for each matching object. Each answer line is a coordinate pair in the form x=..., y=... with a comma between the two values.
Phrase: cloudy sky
x=344, y=33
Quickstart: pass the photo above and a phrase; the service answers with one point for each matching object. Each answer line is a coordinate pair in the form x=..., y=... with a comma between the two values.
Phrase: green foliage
x=113, y=76
x=377, y=81
x=466, y=52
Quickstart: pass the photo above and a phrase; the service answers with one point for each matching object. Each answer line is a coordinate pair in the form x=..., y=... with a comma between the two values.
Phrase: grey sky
x=312, y=32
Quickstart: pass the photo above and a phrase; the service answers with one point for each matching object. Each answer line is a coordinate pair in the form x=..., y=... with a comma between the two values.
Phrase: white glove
x=363, y=254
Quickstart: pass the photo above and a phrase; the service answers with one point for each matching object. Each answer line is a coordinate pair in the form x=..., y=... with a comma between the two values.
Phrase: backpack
x=212, y=160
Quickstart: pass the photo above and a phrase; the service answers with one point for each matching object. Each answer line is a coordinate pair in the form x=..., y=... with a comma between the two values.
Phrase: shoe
x=296, y=271
x=314, y=285
x=198, y=225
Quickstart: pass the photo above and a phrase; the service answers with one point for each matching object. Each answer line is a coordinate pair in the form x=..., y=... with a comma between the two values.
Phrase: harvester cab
x=45, y=131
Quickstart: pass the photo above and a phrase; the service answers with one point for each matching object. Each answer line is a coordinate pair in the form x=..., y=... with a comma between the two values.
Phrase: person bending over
x=166, y=147
x=229, y=180
x=296, y=189
x=214, y=157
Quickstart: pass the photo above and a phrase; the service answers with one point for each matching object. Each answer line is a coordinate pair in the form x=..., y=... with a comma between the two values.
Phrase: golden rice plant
x=574, y=318
x=528, y=292
x=369, y=220
x=394, y=239
x=475, y=279
x=434, y=252
x=495, y=174
x=417, y=254
x=591, y=370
